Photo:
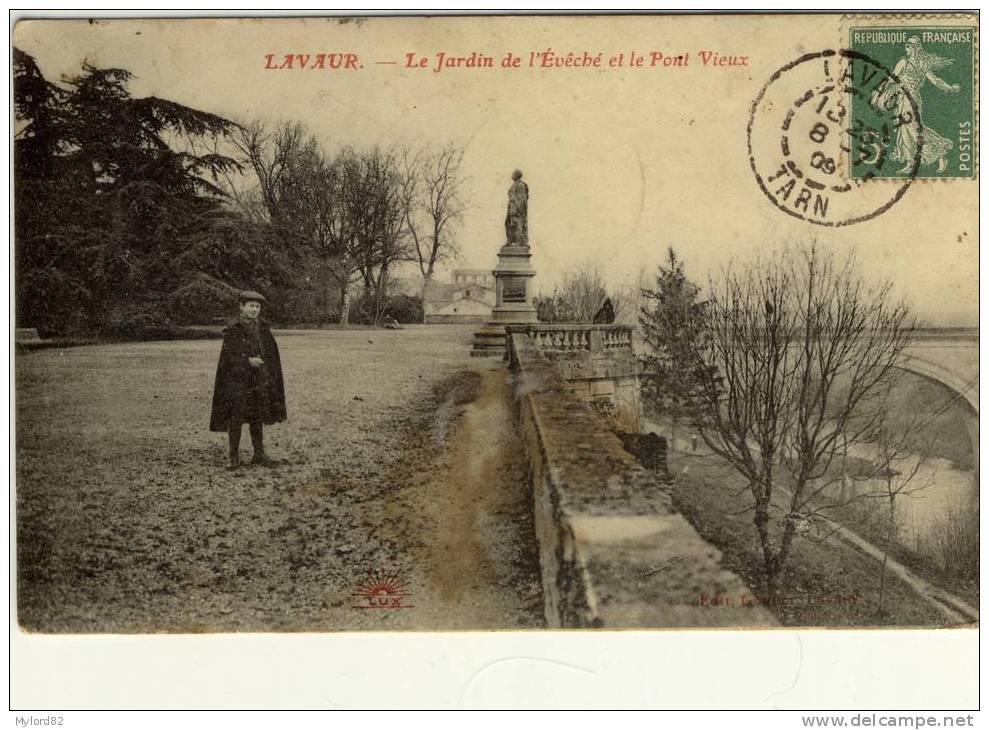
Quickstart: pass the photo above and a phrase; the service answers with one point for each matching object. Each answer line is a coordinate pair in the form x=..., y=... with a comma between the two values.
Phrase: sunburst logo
x=382, y=589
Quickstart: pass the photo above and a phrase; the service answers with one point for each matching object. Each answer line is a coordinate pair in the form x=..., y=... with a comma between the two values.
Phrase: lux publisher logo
x=382, y=589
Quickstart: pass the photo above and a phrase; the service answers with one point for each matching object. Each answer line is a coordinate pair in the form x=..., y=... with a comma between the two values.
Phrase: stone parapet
x=597, y=362
x=613, y=552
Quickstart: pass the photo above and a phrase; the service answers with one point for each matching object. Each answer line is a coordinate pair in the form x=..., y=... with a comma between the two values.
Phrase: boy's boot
x=257, y=440
x=234, y=435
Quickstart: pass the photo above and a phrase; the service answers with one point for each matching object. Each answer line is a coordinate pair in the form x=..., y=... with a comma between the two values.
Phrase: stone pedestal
x=513, y=300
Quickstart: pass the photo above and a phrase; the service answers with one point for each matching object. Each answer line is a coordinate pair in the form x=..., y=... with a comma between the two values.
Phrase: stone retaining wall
x=455, y=318
x=613, y=553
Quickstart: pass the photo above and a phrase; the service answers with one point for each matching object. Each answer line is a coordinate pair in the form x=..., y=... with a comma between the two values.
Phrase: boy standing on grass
x=249, y=386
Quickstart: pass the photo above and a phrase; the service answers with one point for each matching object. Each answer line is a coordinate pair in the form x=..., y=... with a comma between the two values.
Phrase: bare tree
x=301, y=191
x=578, y=298
x=632, y=295
x=795, y=363
x=431, y=196
x=317, y=189
x=895, y=459
x=274, y=156
x=372, y=196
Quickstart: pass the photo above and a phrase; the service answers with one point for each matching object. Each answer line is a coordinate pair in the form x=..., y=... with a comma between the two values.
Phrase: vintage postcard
x=496, y=323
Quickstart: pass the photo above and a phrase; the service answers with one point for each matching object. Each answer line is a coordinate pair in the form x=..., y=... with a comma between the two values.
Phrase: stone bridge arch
x=966, y=391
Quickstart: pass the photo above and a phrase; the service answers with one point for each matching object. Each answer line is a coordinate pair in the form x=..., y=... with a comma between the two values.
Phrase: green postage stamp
x=933, y=74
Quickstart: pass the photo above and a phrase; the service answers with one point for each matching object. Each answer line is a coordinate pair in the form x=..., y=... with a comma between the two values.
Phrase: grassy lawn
x=127, y=521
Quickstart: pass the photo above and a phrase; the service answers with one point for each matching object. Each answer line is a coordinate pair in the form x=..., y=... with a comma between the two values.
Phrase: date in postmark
x=934, y=70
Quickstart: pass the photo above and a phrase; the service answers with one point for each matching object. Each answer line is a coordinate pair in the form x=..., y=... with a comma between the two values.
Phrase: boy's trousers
x=257, y=438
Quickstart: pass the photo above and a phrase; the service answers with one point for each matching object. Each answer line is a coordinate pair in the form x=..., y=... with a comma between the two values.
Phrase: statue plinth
x=513, y=300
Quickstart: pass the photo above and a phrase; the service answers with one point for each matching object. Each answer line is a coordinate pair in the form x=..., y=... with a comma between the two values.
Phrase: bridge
x=950, y=356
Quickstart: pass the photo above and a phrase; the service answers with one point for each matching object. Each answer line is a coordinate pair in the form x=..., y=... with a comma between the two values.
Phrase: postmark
x=818, y=157
x=935, y=64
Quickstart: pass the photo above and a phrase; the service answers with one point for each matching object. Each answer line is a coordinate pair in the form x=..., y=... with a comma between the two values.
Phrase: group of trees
x=785, y=366
x=141, y=209
x=781, y=369
x=352, y=216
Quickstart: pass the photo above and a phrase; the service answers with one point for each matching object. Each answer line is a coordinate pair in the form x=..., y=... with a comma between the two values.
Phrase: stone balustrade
x=556, y=340
x=597, y=362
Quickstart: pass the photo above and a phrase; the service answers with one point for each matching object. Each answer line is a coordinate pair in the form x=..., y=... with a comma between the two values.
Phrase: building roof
x=439, y=291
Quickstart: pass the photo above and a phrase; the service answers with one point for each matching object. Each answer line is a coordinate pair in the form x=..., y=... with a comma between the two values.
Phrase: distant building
x=470, y=297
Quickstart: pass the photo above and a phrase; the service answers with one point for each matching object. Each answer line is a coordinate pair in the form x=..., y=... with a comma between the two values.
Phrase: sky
x=621, y=162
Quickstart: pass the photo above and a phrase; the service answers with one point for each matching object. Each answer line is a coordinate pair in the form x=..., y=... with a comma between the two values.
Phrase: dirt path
x=954, y=609
x=464, y=531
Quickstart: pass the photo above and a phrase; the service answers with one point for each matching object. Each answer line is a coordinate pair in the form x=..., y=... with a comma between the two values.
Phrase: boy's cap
x=247, y=295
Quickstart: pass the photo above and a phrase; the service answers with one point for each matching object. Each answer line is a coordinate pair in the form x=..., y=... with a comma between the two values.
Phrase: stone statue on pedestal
x=517, y=219
x=513, y=276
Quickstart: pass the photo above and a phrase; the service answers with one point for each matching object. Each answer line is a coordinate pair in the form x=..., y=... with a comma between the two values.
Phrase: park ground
x=401, y=462
x=128, y=522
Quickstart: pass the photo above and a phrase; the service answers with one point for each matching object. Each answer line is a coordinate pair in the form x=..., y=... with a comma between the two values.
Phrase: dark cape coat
x=243, y=394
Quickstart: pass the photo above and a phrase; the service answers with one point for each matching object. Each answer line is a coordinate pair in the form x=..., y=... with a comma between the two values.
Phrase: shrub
x=954, y=541
x=401, y=307
x=404, y=309
x=301, y=306
x=142, y=321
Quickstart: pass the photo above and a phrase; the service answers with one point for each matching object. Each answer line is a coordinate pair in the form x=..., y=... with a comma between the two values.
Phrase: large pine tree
x=115, y=200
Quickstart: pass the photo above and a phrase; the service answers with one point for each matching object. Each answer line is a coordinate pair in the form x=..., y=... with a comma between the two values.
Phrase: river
x=937, y=492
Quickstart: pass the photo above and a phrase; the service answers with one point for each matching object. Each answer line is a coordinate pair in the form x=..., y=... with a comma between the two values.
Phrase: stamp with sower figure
x=934, y=67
